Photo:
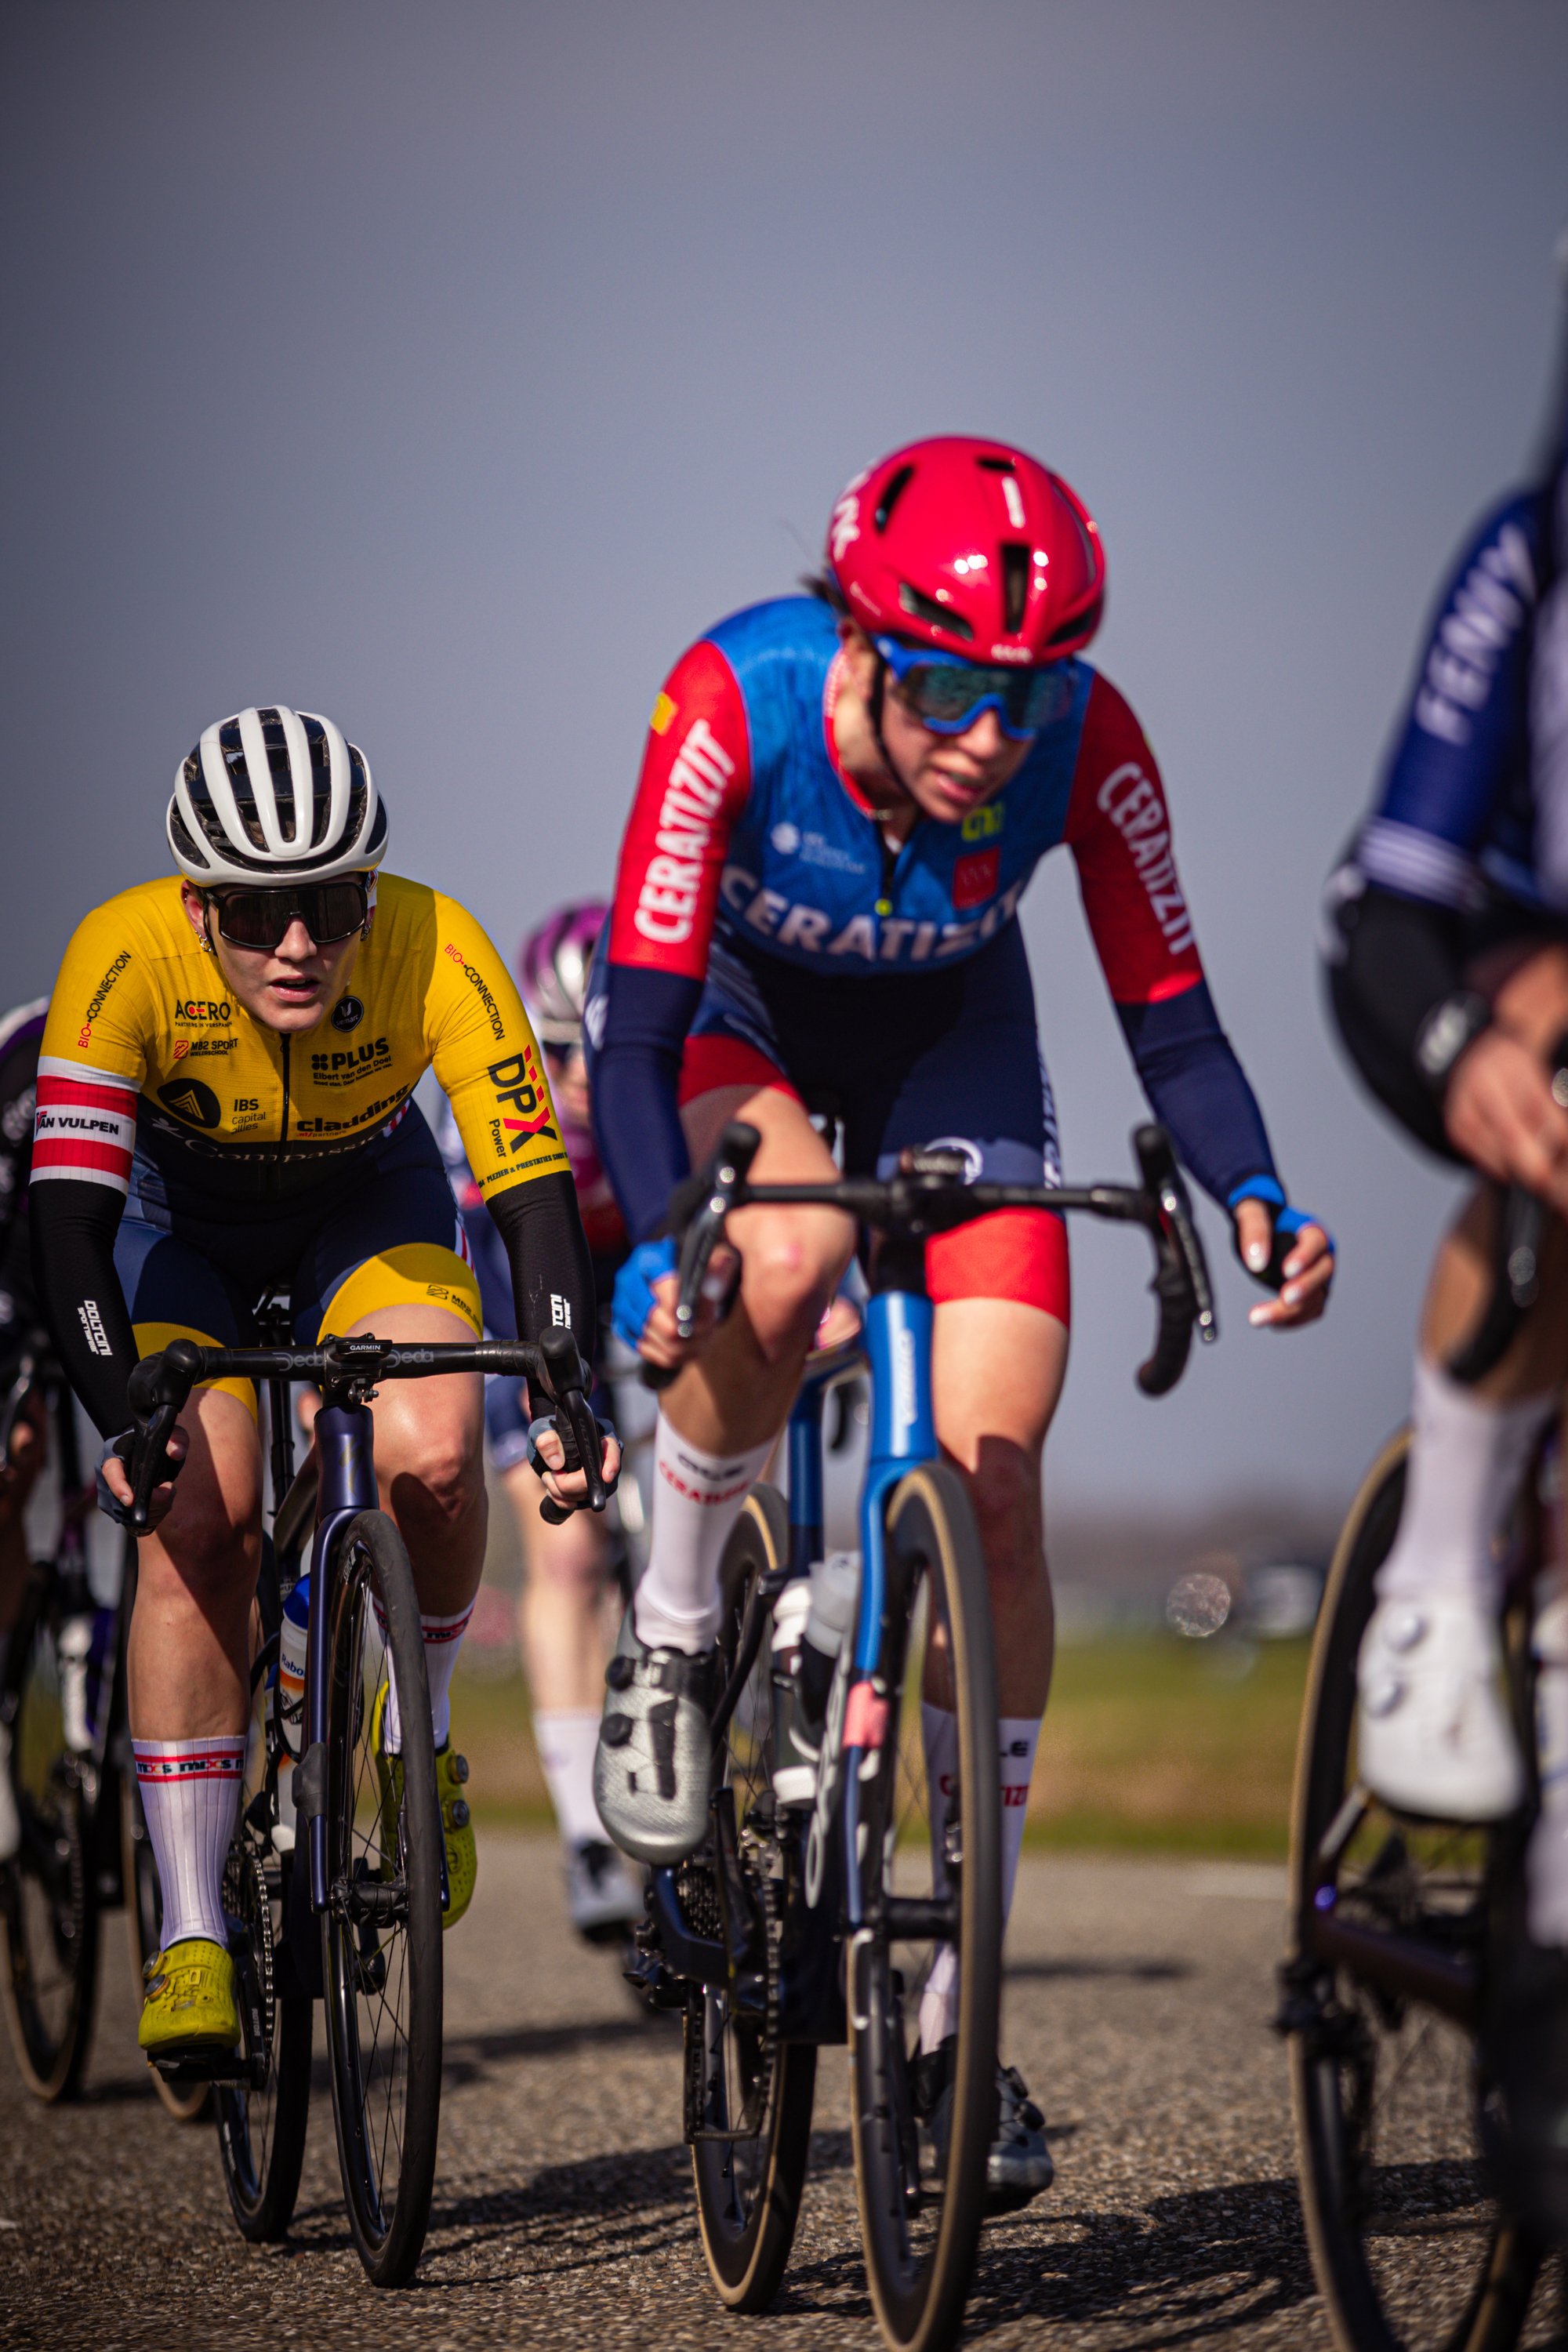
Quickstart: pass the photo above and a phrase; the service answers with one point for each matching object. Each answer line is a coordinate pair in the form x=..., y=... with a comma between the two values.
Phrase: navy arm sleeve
x=1197, y=1088
x=636, y=1076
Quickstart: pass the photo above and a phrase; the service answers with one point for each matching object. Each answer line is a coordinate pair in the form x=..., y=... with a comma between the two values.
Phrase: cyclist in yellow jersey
x=224, y=1103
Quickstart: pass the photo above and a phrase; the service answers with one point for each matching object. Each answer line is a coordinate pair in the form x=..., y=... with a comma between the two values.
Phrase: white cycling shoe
x=1433, y=1732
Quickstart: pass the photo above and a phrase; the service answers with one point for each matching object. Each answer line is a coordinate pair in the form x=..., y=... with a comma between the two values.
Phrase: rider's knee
x=790, y=1270
x=210, y=1550
x=1004, y=1494
x=442, y=1460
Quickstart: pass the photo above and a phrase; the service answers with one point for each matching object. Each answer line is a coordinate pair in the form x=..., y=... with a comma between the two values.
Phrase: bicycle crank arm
x=1398, y=1964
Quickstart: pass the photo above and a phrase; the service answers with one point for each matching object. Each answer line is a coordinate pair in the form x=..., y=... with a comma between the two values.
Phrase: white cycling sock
x=566, y=1738
x=1467, y=1457
x=1018, y=1738
x=443, y=1638
x=697, y=1499
x=190, y=1795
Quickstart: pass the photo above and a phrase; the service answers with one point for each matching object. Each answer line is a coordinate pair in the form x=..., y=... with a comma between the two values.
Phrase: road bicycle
x=800, y=1923
x=335, y=1881
x=1401, y=1931
x=84, y=1847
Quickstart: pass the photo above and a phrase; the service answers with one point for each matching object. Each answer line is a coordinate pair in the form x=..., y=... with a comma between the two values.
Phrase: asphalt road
x=1137, y=2007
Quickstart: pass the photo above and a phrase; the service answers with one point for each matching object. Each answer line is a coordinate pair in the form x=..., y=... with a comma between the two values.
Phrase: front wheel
x=46, y=1893
x=1411, y=2251
x=754, y=2095
x=381, y=1931
x=921, y=2161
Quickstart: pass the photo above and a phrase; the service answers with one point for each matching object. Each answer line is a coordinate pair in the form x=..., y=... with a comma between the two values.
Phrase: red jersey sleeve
x=695, y=775
x=1119, y=828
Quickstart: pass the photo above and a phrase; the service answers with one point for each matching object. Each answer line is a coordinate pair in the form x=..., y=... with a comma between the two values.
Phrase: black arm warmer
x=1402, y=957
x=551, y=1272
x=78, y=1290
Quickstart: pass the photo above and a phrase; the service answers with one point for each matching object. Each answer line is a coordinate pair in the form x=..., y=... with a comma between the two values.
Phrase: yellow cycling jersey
x=143, y=1044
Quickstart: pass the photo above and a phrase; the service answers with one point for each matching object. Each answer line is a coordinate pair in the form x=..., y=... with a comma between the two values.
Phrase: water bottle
x=812, y=1619
x=289, y=1707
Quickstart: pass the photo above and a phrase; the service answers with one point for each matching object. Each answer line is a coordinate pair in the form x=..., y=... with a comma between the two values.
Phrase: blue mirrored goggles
x=948, y=696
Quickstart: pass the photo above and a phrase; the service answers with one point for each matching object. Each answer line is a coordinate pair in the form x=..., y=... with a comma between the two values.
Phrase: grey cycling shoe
x=653, y=1769
x=603, y=1895
x=1019, y=2165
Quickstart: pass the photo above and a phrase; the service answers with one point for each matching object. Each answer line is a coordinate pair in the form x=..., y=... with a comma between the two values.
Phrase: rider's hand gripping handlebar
x=574, y=1424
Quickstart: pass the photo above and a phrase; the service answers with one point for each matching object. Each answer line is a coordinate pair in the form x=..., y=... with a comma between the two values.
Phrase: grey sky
x=448, y=368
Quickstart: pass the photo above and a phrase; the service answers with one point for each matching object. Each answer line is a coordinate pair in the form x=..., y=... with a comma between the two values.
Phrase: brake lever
x=738, y=1146
x=159, y=1388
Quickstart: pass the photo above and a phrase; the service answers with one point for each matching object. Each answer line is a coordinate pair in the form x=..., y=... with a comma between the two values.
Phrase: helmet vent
x=890, y=498
x=997, y=464
x=921, y=607
x=1015, y=584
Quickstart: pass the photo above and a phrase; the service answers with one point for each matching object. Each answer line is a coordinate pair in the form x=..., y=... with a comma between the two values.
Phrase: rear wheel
x=262, y=2128
x=186, y=2101
x=1413, y=2253
x=381, y=1928
x=755, y=2093
x=920, y=2216
x=46, y=1892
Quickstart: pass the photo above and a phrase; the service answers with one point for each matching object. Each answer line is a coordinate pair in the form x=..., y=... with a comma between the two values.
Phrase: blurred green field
x=1151, y=1744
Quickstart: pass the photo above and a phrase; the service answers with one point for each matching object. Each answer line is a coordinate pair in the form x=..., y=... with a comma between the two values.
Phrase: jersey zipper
x=889, y=867
x=283, y=1117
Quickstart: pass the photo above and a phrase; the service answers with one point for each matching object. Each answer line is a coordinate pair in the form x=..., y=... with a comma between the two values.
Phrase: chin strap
x=874, y=712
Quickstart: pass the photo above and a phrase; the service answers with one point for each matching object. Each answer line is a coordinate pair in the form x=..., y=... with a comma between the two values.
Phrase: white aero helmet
x=274, y=795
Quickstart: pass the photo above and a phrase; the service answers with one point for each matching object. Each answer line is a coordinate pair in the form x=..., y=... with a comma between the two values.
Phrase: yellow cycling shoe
x=189, y=2009
x=451, y=1772
x=462, y=1862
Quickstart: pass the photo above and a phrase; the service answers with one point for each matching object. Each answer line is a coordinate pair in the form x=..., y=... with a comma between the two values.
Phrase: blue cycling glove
x=1287, y=1223
x=632, y=1301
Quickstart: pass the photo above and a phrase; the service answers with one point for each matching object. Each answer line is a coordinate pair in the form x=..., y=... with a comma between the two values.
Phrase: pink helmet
x=553, y=964
x=972, y=546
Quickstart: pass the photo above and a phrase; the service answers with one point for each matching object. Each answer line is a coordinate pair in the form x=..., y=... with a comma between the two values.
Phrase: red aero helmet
x=972, y=546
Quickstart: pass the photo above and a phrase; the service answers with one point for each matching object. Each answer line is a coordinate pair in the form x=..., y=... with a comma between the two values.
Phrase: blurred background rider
x=565, y=1624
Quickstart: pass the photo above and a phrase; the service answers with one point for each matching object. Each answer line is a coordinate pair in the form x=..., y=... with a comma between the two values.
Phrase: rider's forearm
x=73, y=1229
x=1198, y=1089
x=636, y=1077
x=551, y=1272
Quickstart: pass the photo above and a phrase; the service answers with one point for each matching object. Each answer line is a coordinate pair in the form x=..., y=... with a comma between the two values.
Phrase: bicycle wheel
x=46, y=1891
x=1411, y=2249
x=755, y=2092
x=187, y=2103
x=920, y=2232
x=381, y=1932
x=262, y=2128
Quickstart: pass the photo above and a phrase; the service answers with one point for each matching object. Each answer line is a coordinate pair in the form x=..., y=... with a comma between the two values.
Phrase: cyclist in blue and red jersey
x=842, y=800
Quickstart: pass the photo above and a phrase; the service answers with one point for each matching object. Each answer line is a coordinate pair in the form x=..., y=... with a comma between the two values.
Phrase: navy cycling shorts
x=951, y=1057
x=389, y=1236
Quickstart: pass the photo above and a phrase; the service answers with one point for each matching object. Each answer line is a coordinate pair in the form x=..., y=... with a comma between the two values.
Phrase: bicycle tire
x=382, y=1974
x=748, y=2191
x=188, y=2103
x=920, y=2245
x=1382, y=2092
x=47, y=1895
x=261, y=2132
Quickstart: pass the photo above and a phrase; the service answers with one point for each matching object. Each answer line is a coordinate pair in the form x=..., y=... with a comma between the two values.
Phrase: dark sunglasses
x=949, y=697
x=330, y=912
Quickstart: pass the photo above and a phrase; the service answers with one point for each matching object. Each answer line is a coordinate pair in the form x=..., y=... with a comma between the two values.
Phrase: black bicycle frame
x=346, y=1459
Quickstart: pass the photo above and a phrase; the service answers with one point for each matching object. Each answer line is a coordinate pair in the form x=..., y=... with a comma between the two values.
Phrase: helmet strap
x=874, y=712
